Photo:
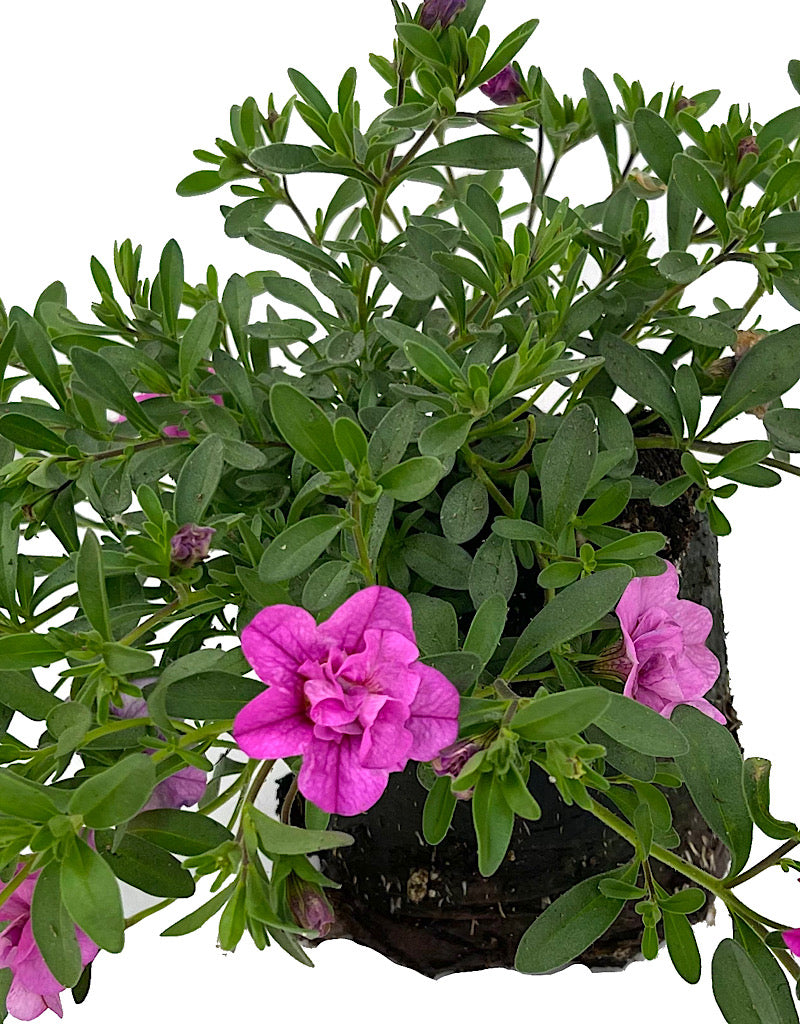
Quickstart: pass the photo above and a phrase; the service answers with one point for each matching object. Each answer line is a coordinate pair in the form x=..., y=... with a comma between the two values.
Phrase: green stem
x=497, y=427
x=162, y=614
x=312, y=237
x=712, y=448
x=474, y=463
x=255, y=788
x=16, y=881
x=774, y=858
x=148, y=912
x=361, y=541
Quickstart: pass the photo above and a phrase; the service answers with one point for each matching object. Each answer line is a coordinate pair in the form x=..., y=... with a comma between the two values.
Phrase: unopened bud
x=190, y=545
x=682, y=103
x=747, y=145
x=308, y=906
x=442, y=11
x=721, y=369
x=451, y=760
x=505, y=88
x=745, y=340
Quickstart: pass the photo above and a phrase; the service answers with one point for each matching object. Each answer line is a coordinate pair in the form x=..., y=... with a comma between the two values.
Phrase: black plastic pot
x=428, y=908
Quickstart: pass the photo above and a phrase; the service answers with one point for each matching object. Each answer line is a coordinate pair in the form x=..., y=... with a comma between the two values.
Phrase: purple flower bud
x=747, y=145
x=505, y=88
x=443, y=11
x=683, y=102
x=452, y=759
x=308, y=906
x=190, y=545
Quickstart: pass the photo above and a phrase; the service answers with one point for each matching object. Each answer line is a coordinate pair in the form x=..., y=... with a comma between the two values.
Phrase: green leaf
x=170, y=283
x=198, y=917
x=505, y=52
x=712, y=771
x=783, y=427
x=198, y=183
x=567, y=927
x=183, y=832
x=784, y=184
x=478, y=153
x=494, y=570
x=91, y=896
x=741, y=993
x=756, y=792
x=409, y=276
x=293, y=292
x=26, y=432
x=90, y=576
x=573, y=611
x=435, y=624
x=682, y=947
x=658, y=143
x=327, y=585
x=102, y=380
x=20, y=692
x=305, y=427
x=784, y=126
x=422, y=42
x=438, y=561
x=603, y=118
x=444, y=437
x=412, y=480
x=27, y=650
x=35, y=350
x=567, y=468
x=764, y=373
x=298, y=547
x=198, y=480
x=640, y=728
x=680, y=267
x=197, y=339
x=285, y=158
x=116, y=794
x=608, y=506
x=767, y=966
x=706, y=332
x=637, y=545
x=437, y=812
x=53, y=929
x=699, y=187
x=146, y=866
x=350, y=441
x=464, y=511
x=794, y=74
x=642, y=378
x=522, y=529
x=21, y=798
x=689, y=397
x=680, y=219
x=560, y=714
x=434, y=364
x=277, y=838
x=391, y=437
x=487, y=628
x=494, y=822
x=783, y=227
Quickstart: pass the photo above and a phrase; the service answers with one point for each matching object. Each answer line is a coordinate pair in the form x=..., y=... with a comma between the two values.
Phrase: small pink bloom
x=183, y=789
x=792, y=940
x=308, y=905
x=505, y=88
x=441, y=11
x=171, y=430
x=350, y=695
x=665, y=654
x=33, y=988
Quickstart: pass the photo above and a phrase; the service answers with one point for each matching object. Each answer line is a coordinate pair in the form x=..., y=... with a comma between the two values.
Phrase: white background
x=100, y=108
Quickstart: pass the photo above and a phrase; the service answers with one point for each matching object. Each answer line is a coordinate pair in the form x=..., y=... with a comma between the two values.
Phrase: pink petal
x=385, y=662
x=373, y=608
x=89, y=949
x=695, y=620
x=792, y=940
x=333, y=778
x=386, y=743
x=26, y=1005
x=434, y=714
x=273, y=724
x=183, y=789
x=645, y=592
x=701, y=705
x=279, y=639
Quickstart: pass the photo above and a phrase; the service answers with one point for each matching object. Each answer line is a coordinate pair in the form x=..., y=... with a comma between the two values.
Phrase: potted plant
x=439, y=520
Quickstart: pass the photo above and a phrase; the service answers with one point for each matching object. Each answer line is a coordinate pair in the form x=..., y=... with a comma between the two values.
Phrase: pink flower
x=441, y=11
x=33, y=988
x=350, y=695
x=308, y=905
x=505, y=88
x=171, y=430
x=189, y=544
x=792, y=940
x=183, y=789
x=663, y=656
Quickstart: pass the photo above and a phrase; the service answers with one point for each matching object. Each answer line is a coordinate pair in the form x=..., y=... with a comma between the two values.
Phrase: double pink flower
x=349, y=695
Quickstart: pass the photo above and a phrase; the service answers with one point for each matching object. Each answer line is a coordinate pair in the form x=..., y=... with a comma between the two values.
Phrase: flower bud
x=442, y=11
x=308, y=905
x=451, y=760
x=745, y=340
x=190, y=545
x=721, y=369
x=747, y=145
x=682, y=103
x=505, y=88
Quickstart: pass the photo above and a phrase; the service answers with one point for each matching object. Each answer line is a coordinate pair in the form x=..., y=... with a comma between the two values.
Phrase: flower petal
x=386, y=743
x=372, y=608
x=645, y=592
x=388, y=664
x=273, y=724
x=698, y=702
x=434, y=714
x=26, y=1005
x=183, y=789
x=695, y=620
x=334, y=779
x=279, y=639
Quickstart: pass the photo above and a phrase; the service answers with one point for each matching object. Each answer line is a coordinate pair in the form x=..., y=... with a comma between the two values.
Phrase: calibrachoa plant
x=276, y=527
